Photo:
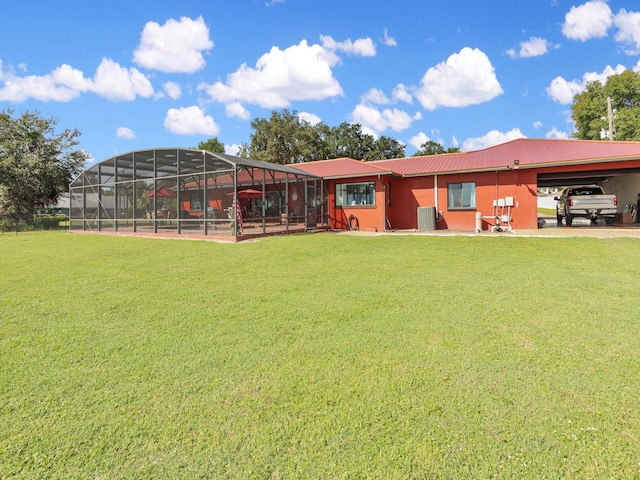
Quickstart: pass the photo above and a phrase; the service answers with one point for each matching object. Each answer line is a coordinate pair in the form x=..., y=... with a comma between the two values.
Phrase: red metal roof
x=529, y=152
x=343, y=168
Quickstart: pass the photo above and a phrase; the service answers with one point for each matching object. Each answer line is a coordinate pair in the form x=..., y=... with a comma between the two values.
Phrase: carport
x=621, y=178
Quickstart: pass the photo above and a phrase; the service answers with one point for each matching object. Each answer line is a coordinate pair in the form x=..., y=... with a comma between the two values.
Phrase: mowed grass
x=319, y=356
x=549, y=212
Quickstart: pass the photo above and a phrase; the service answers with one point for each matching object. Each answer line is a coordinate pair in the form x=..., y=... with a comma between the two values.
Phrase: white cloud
x=73, y=78
x=232, y=149
x=190, y=121
x=311, y=118
x=118, y=83
x=174, y=47
x=65, y=83
x=421, y=138
x=375, y=95
x=557, y=134
x=628, y=24
x=235, y=109
x=494, y=137
x=126, y=133
x=534, y=47
x=589, y=20
x=418, y=140
x=50, y=87
x=537, y=124
x=173, y=90
x=401, y=93
x=563, y=91
x=362, y=47
x=466, y=78
x=300, y=72
x=389, y=41
x=378, y=121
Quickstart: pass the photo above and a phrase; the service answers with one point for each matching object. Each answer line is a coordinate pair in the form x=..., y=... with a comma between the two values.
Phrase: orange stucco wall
x=369, y=217
x=490, y=186
x=410, y=193
x=407, y=194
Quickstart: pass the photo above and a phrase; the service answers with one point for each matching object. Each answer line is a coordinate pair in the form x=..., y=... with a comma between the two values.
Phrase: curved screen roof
x=140, y=164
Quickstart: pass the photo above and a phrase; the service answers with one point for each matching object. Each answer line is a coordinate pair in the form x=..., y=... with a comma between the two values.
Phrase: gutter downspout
x=436, y=203
x=435, y=192
x=384, y=204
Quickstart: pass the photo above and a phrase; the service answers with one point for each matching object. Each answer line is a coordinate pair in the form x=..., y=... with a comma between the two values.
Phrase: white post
x=610, y=117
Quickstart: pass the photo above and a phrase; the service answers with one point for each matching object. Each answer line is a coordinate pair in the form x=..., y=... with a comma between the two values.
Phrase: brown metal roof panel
x=342, y=167
x=535, y=151
x=425, y=164
x=528, y=152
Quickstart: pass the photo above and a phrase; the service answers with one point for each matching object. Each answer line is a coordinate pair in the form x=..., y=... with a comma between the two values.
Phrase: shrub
x=35, y=222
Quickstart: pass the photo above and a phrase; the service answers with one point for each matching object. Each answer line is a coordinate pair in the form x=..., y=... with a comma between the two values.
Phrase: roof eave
x=356, y=175
x=560, y=163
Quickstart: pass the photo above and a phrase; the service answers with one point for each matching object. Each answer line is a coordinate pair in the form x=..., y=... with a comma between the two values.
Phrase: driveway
x=579, y=229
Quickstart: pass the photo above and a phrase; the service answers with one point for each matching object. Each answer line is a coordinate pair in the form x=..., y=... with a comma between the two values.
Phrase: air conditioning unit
x=426, y=218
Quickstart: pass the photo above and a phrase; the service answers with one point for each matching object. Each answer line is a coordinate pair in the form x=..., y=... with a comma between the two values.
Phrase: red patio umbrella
x=162, y=192
x=248, y=193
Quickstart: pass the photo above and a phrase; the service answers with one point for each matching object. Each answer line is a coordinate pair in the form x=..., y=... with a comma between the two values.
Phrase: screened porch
x=177, y=192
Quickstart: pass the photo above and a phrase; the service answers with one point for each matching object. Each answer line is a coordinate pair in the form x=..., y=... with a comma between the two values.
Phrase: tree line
x=37, y=162
x=286, y=138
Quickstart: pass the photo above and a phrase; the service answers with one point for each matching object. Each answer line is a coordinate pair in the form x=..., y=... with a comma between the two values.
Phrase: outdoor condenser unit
x=426, y=218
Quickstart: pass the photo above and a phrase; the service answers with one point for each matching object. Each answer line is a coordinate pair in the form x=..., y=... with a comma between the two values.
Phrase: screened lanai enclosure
x=177, y=191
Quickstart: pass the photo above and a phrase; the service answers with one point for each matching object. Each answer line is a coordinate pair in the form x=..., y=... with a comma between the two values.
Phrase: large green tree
x=36, y=162
x=434, y=148
x=212, y=145
x=589, y=108
x=386, y=147
x=286, y=138
x=283, y=138
x=348, y=140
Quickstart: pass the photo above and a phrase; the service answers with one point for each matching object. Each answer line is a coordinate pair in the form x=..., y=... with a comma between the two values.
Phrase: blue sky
x=140, y=74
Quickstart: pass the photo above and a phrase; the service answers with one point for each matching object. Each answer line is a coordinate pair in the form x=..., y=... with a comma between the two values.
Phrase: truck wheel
x=568, y=219
x=594, y=220
x=559, y=219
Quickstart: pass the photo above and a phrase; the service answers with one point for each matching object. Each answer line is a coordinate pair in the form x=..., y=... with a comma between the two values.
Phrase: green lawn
x=319, y=356
x=549, y=212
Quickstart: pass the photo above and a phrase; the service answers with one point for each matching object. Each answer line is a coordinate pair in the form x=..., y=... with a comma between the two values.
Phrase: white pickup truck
x=587, y=201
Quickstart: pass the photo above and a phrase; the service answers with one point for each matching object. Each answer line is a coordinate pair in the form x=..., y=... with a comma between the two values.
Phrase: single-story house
x=499, y=184
x=177, y=192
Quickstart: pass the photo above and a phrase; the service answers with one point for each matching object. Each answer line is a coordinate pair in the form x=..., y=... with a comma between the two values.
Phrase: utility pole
x=611, y=132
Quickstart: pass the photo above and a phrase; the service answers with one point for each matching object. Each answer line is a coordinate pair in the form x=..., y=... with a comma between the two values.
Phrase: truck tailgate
x=593, y=202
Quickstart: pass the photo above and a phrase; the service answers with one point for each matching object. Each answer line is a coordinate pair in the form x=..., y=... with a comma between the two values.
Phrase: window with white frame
x=355, y=194
x=461, y=196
